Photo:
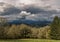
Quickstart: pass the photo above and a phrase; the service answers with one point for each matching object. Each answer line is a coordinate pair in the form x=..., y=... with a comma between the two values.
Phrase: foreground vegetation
x=30, y=40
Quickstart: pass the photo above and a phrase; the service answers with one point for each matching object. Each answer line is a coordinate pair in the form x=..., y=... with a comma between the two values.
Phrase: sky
x=55, y=3
x=30, y=9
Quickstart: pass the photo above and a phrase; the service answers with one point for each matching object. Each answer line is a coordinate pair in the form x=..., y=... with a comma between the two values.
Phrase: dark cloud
x=11, y=10
x=36, y=10
x=36, y=13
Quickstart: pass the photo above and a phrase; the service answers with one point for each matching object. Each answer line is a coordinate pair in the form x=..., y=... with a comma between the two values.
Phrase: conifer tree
x=55, y=28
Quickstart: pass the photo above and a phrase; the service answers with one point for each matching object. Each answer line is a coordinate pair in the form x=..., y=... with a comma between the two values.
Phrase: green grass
x=30, y=40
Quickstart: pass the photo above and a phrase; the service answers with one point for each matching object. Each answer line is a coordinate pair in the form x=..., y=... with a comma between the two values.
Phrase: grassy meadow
x=30, y=40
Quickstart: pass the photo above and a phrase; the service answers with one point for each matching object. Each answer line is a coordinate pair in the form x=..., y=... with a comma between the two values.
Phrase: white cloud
x=24, y=13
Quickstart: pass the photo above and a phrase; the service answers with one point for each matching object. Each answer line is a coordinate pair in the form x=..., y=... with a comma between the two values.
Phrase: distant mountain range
x=30, y=22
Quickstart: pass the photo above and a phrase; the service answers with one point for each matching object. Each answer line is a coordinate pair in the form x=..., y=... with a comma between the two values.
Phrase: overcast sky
x=36, y=2
x=36, y=9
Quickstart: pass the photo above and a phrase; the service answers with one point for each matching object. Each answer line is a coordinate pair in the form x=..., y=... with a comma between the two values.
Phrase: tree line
x=25, y=31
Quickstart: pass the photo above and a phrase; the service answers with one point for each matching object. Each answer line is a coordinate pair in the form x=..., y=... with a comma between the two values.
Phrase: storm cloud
x=35, y=10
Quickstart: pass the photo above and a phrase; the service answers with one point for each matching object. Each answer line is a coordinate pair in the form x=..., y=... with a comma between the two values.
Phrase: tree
x=12, y=32
x=25, y=33
x=55, y=28
x=2, y=26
